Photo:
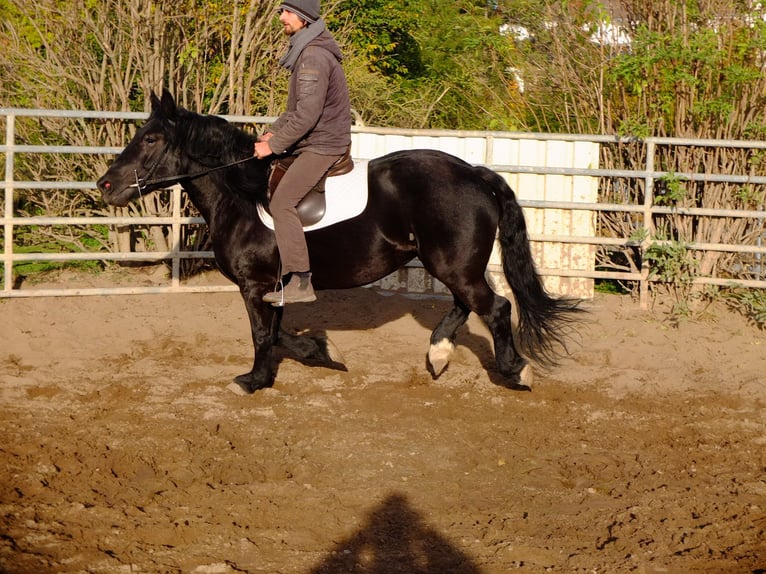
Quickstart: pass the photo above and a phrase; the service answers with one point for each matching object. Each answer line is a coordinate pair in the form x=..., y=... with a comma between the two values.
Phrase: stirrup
x=271, y=296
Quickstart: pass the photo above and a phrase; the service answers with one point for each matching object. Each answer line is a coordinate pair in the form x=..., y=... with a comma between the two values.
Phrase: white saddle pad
x=345, y=196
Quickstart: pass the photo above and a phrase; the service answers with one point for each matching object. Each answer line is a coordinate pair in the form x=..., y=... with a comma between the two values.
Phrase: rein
x=142, y=183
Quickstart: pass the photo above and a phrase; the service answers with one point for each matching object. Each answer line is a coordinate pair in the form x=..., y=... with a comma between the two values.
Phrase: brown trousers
x=304, y=173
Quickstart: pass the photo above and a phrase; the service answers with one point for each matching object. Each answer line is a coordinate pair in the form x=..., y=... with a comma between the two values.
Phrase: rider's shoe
x=298, y=290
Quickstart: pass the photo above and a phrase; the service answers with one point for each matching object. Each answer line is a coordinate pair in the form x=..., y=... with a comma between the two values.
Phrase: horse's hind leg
x=509, y=361
x=495, y=311
x=443, y=338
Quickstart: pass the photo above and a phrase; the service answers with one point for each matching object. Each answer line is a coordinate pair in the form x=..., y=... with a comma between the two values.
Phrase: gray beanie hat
x=306, y=9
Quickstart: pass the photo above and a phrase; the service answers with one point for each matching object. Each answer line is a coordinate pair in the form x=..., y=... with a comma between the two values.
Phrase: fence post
x=648, y=224
x=8, y=204
x=176, y=237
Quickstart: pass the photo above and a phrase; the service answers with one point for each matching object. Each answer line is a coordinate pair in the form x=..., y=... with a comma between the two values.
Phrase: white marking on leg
x=439, y=355
x=527, y=376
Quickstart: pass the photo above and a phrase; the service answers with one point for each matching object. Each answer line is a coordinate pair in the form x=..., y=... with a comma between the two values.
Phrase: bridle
x=143, y=182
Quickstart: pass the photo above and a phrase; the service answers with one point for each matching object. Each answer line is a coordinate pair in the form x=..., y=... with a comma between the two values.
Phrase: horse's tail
x=545, y=322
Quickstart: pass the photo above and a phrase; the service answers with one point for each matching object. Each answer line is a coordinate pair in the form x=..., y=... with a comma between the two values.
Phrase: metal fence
x=507, y=153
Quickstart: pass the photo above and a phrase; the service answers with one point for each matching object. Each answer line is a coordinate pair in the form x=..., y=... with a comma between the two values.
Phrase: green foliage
x=23, y=24
x=671, y=262
x=433, y=64
x=382, y=33
x=684, y=81
x=26, y=268
x=633, y=126
x=749, y=196
x=466, y=59
x=610, y=287
x=638, y=235
x=418, y=63
x=670, y=189
x=751, y=303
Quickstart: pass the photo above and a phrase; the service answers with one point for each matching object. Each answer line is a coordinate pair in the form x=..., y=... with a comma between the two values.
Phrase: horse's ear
x=168, y=104
x=154, y=100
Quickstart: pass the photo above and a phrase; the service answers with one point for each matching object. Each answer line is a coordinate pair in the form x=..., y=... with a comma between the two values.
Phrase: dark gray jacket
x=318, y=116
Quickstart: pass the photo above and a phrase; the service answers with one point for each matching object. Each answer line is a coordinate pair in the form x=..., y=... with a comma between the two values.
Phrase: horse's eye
x=150, y=139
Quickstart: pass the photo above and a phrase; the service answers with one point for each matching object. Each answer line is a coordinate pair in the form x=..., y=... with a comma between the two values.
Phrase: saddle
x=312, y=207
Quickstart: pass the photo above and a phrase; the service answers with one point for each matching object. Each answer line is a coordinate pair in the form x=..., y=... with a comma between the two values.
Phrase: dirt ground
x=122, y=451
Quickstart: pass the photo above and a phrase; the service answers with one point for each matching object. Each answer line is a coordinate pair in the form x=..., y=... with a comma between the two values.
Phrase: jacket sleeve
x=313, y=70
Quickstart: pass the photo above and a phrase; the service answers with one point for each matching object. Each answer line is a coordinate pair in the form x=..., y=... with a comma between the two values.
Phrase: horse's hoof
x=439, y=356
x=518, y=380
x=243, y=385
x=238, y=389
x=527, y=376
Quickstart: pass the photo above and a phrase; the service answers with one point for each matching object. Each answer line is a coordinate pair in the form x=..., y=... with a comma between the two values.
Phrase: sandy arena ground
x=122, y=451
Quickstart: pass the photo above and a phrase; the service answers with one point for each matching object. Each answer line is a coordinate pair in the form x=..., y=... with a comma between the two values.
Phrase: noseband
x=141, y=182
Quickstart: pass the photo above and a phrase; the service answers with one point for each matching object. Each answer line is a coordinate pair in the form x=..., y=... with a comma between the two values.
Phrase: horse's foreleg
x=264, y=326
x=443, y=338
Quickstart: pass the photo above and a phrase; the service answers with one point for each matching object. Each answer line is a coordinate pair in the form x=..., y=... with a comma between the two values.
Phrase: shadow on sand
x=396, y=540
x=375, y=308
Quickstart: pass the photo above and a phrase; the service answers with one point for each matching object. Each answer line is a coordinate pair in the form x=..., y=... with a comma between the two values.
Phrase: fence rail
x=487, y=148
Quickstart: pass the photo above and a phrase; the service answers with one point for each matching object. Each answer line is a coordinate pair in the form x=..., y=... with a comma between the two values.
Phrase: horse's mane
x=212, y=141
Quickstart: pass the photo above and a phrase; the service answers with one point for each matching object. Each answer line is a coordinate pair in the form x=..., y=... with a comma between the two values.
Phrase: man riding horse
x=315, y=132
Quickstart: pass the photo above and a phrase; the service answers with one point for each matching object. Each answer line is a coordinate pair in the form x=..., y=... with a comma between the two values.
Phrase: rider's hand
x=262, y=150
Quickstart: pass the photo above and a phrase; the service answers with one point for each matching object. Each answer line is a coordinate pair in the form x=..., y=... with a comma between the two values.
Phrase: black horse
x=422, y=203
